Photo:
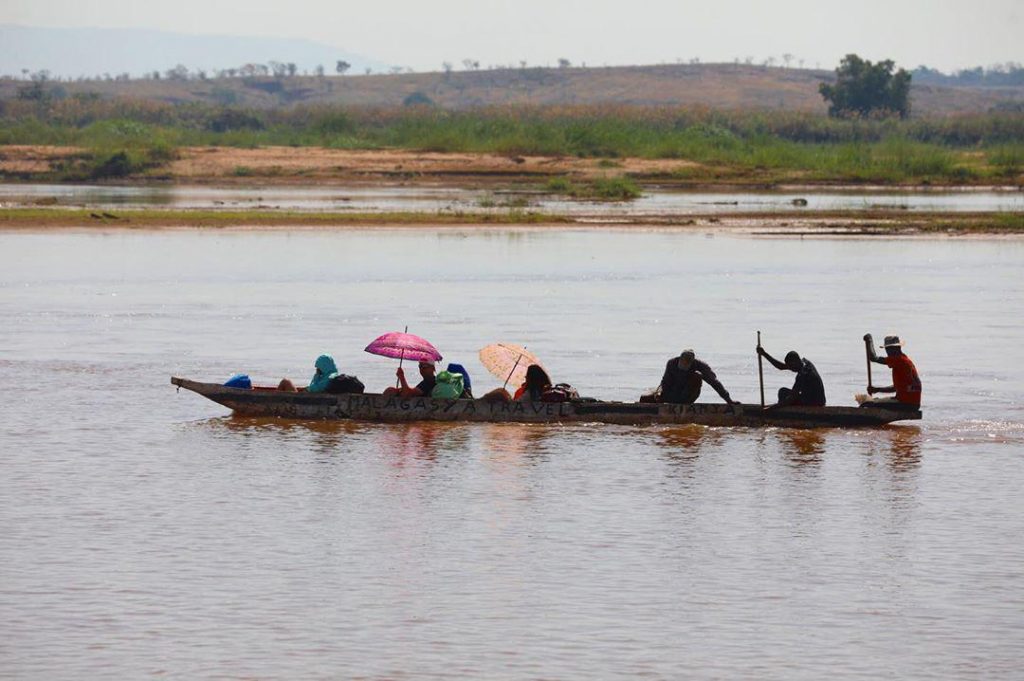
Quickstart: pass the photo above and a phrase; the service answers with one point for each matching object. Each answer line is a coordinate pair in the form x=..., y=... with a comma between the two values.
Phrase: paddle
x=867, y=354
x=760, y=369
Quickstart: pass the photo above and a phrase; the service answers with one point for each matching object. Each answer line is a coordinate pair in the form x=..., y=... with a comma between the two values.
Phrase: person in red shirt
x=905, y=381
x=537, y=381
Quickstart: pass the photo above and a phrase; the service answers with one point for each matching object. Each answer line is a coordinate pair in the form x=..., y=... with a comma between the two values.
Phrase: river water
x=376, y=198
x=148, y=533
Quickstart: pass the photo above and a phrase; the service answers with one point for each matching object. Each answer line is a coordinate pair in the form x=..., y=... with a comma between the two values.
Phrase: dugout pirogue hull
x=372, y=407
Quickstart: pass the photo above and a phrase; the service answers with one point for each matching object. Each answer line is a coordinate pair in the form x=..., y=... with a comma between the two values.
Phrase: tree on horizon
x=866, y=89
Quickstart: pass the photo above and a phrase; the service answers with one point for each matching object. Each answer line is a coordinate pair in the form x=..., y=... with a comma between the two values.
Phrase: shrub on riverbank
x=618, y=188
x=106, y=163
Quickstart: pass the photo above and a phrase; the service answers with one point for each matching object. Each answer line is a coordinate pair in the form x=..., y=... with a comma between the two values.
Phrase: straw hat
x=892, y=342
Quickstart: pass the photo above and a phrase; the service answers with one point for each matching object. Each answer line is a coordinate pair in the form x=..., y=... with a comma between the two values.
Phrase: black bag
x=343, y=383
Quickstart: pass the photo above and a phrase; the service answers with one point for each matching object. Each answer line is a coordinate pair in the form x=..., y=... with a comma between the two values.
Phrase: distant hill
x=726, y=86
x=75, y=52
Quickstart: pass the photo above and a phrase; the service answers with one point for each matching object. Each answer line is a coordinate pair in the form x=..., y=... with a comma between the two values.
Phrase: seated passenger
x=532, y=389
x=422, y=389
x=807, y=390
x=325, y=371
x=325, y=380
x=682, y=380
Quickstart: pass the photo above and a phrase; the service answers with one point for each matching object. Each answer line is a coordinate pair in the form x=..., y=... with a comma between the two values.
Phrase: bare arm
x=720, y=389
x=774, y=362
x=869, y=346
x=708, y=376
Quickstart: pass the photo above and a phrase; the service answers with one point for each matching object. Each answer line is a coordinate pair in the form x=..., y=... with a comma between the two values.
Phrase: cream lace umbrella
x=508, y=361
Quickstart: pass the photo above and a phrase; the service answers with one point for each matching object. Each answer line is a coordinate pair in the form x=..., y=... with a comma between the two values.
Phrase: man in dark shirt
x=682, y=381
x=807, y=390
x=422, y=389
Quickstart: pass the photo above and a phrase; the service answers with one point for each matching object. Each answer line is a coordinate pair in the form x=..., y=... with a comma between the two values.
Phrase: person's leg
x=784, y=394
x=889, y=403
x=388, y=392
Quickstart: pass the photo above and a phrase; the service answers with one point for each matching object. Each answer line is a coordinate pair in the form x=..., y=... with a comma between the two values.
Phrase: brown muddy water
x=148, y=533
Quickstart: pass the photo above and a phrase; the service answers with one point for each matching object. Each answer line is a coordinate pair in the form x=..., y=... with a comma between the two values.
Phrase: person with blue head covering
x=467, y=392
x=326, y=369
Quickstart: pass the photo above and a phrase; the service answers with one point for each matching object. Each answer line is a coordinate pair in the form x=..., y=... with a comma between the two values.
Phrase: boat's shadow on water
x=899, y=445
x=428, y=440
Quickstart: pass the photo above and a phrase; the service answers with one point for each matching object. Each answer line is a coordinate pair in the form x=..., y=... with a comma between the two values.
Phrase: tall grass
x=617, y=188
x=726, y=143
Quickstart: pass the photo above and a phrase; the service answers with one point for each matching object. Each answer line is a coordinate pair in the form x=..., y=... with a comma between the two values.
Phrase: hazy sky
x=423, y=33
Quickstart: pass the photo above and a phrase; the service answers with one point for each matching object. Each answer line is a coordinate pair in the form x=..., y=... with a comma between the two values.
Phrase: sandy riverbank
x=867, y=224
x=318, y=166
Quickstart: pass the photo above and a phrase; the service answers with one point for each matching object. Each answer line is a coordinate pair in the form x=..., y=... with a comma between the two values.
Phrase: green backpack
x=448, y=386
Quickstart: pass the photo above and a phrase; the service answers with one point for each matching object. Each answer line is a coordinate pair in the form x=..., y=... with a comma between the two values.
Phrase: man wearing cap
x=905, y=381
x=423, y=388
x=807, y=390
x=682, y=381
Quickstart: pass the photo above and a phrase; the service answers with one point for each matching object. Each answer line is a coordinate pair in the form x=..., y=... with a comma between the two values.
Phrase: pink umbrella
x=402, y=346
x=399, y=345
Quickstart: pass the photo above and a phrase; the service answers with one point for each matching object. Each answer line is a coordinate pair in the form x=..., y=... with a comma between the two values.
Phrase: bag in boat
x=449, y=386
x=239, y=381
x=560, y=392
x=343, y=384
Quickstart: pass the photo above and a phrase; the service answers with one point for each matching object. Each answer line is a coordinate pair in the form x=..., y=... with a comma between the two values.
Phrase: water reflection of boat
x=688, y=437
x=802, y=446
x=370, y=407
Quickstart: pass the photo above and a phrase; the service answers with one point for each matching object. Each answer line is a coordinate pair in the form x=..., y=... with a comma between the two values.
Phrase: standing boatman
x=905, y=381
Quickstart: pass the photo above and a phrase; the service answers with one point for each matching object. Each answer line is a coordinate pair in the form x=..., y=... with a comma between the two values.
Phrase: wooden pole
x=760, y=369
x=867, y=355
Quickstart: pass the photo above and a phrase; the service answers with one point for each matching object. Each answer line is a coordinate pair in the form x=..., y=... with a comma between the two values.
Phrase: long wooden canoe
x=372, y=407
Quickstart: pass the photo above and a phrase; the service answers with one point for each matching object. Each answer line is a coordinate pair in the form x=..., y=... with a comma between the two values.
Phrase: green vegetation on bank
x=618, y=188
x=124, y=138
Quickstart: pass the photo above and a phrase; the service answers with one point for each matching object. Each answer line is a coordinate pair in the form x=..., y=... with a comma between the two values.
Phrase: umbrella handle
x=509, y=377
x=398, y=382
